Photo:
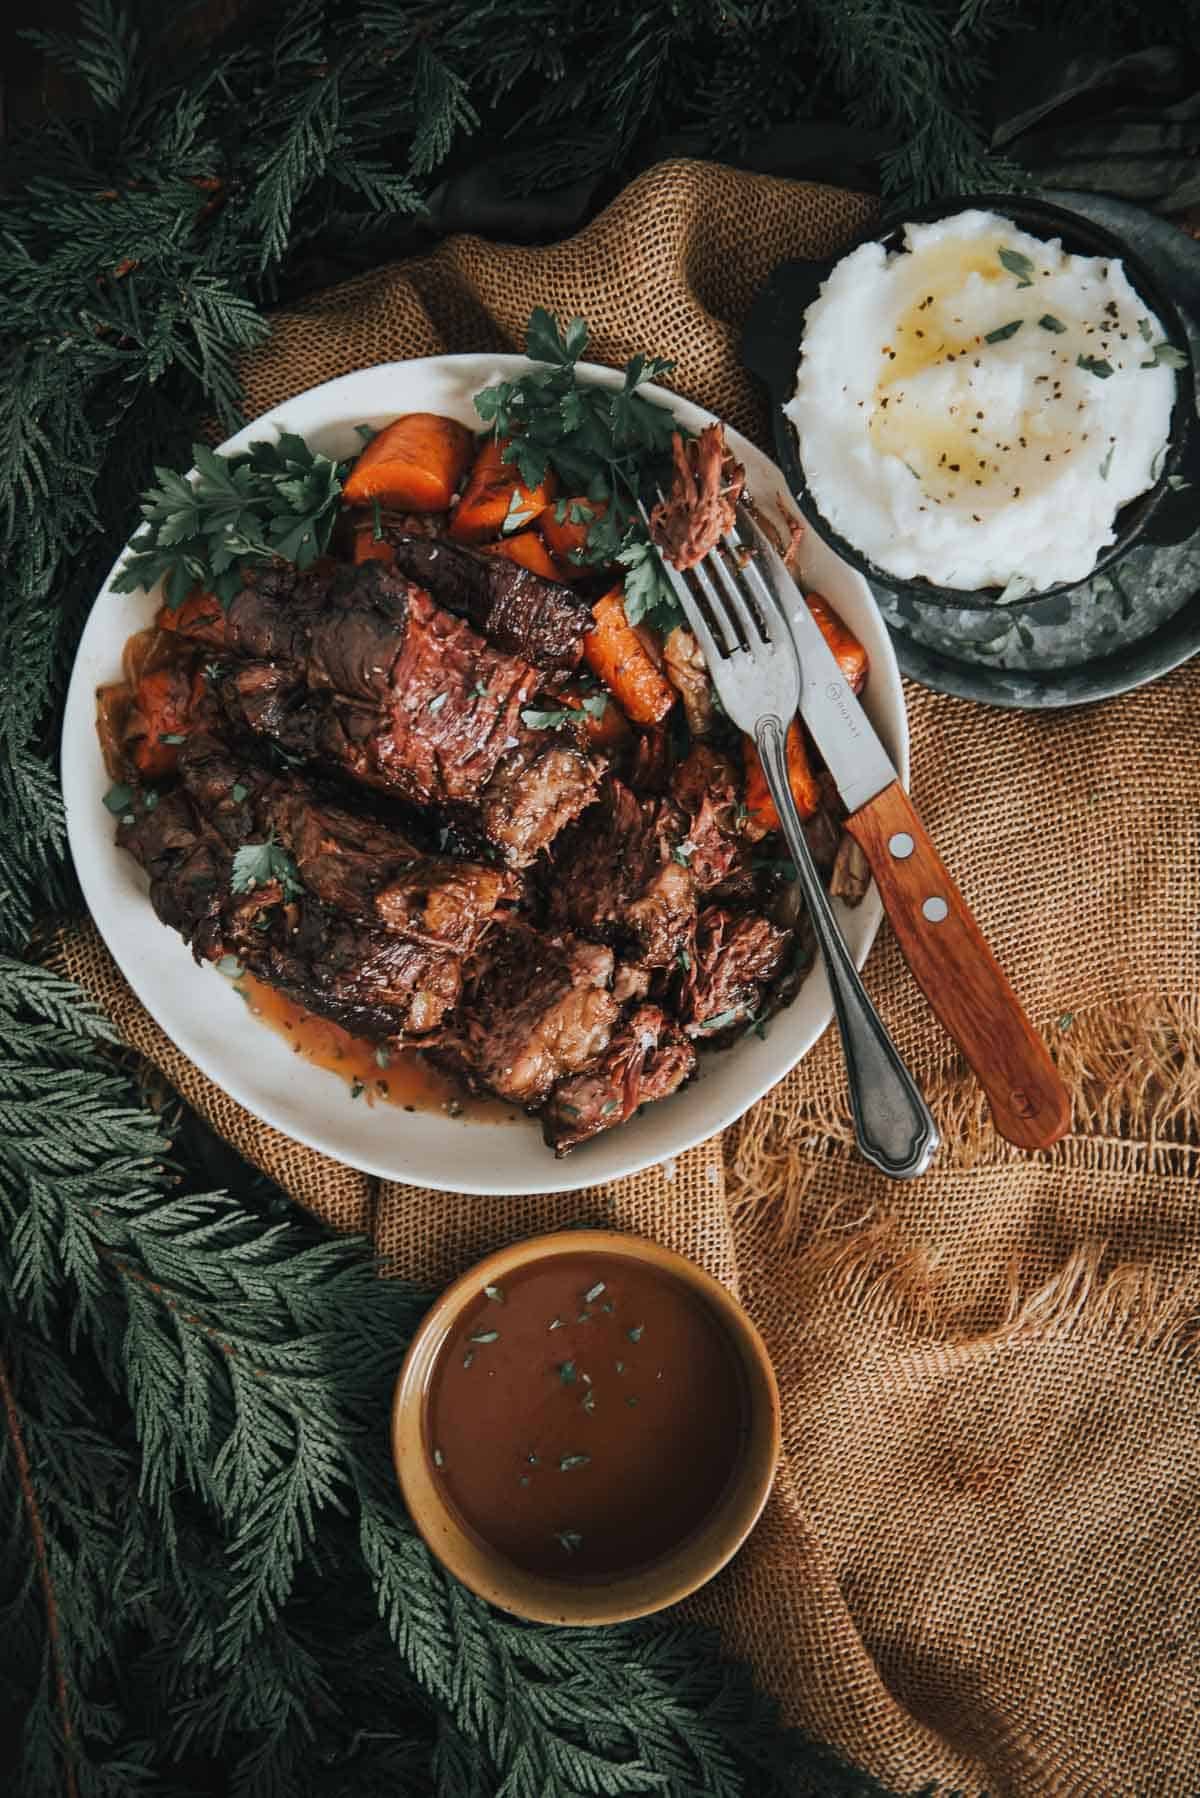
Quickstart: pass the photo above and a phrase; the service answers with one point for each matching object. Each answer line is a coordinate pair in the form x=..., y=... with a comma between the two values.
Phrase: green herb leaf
x=567, y=1373
x=631, y=1402
x=383, y=1056
x=171, y=736
x=365, y=432
x=723, y=1019
x=593, y=1292
x=570, y=1461
x=596, y=704
x=119, y=798
x=1146, y=330
x=1107, y=462
x=439, y=1459
x=1166, y=356
x=357, y=1089
x=683, y=853
x=1096, y=365
x=635, y=1334
x=258, y=864
x=1048, y=322
x=495, y=1293
x=912, y=471
x=485, y=1336
x=571, y=1540
x=556, y=1323
x=1018, y=265
x=589, y=1401
x=551, y=719
x=609, y=1106
x=239, y=792
x=1002, y=332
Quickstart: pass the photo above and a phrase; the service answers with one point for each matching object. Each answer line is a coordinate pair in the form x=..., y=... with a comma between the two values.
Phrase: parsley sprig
x=258, y=864
x=272, y=500
x=604, y=443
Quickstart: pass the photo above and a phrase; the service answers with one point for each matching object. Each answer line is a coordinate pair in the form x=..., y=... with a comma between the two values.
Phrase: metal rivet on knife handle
x=901, y=845
x=935, y=909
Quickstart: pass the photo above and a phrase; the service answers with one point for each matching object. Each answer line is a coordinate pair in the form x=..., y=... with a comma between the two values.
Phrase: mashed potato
x=975, y=408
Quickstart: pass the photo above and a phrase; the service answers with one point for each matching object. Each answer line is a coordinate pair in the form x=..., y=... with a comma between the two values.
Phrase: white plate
x=198, y=1008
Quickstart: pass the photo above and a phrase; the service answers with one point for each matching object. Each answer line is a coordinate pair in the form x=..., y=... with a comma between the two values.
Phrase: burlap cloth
x=980, y=1563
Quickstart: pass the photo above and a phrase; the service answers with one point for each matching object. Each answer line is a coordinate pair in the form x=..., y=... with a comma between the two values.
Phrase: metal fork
x=755, y=669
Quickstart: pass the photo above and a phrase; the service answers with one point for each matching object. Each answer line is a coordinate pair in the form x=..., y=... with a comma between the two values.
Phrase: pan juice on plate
x=975, y=408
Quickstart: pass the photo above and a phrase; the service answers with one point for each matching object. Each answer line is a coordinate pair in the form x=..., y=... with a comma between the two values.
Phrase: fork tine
x=754, y=630
x=722, y=621
x=687, y=602
x=761, y=588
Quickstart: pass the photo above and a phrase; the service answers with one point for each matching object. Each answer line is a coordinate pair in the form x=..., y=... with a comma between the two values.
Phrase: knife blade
x=860, y=765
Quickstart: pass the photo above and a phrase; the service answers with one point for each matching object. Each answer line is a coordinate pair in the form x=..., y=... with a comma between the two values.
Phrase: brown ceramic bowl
x=566, y=1599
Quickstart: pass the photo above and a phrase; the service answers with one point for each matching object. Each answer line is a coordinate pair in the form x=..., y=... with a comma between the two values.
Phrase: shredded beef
x=702, y=503
x=535, y=1008
x=648, y=1058
x=733, y=959
x=620, y=875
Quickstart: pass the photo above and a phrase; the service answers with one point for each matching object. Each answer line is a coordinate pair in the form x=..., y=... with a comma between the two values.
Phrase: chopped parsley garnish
x=118, y=799
x=259, y=864
x=239, y=792
x=438, y=701
x=603, y=443
x=495, y=1293
x=1165, y=355
x=383, y=1056
x=170, y=736
x=596, y=704
x=567, y=1373
x=556, y=1323
x=571, y=1540
x=1048, y=322
x=569, y=1461
x=635, y=1334
x=485, y=1336
x=593, y=1292
x=1095, y=365
x=683, y=959
x=439, y=1459
x=552, y=719
x=1107, y=462
x=1018, y=265
x=683, y=853
x=1004, y=331
x=722, y=1020
x=357, y=1089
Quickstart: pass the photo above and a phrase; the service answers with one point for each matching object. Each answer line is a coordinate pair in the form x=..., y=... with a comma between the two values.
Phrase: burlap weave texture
x=980, y=1563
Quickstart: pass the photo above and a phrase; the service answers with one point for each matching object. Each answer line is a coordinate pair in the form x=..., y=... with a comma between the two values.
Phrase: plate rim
x=90, y=841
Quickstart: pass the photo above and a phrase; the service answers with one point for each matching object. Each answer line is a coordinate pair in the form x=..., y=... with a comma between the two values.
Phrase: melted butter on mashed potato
x=975, y=408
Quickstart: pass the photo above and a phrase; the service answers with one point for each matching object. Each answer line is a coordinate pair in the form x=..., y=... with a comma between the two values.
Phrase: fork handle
x=961, y=978
x=893, y=1125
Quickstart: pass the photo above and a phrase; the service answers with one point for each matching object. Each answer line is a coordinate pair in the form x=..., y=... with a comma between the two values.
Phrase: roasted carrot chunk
x=805, y=787
x=368, y=547
x=201, y=615
x=416, y=462
x=528, y=551
x=565, y=538
x=160, y=719
x=494, y=493
x=617, y=657
x=849, y=653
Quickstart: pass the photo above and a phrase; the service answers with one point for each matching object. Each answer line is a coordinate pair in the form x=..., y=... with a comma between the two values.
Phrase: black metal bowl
x=1166, y=513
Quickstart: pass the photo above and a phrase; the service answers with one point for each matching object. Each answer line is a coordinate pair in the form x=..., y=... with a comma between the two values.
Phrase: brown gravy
x=587, y=1417
x=408, y=1079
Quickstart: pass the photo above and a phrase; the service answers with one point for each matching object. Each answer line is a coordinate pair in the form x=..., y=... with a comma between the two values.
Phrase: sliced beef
x=620, y=874
x=365, y=869
x=359, y=669
x=372, y=984
x=733, y=959
x=648, y=1058
x=536, y=791
x=687, y=672
x=535, y=1008
x=543, y=622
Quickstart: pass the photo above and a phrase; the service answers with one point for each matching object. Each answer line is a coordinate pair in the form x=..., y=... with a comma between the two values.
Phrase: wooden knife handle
x=959, y=975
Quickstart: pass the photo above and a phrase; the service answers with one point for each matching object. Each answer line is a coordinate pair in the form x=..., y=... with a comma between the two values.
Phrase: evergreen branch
x=38, y=1538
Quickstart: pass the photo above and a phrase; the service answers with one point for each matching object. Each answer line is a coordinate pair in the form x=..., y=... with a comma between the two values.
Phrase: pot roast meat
x=648, y=1058
x=733, y=959
x=708, y=788
x=536, y=791
x=374, y=985
x=543, y=622
x=702, y=503
x=535, y=1008
x=620, y=874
